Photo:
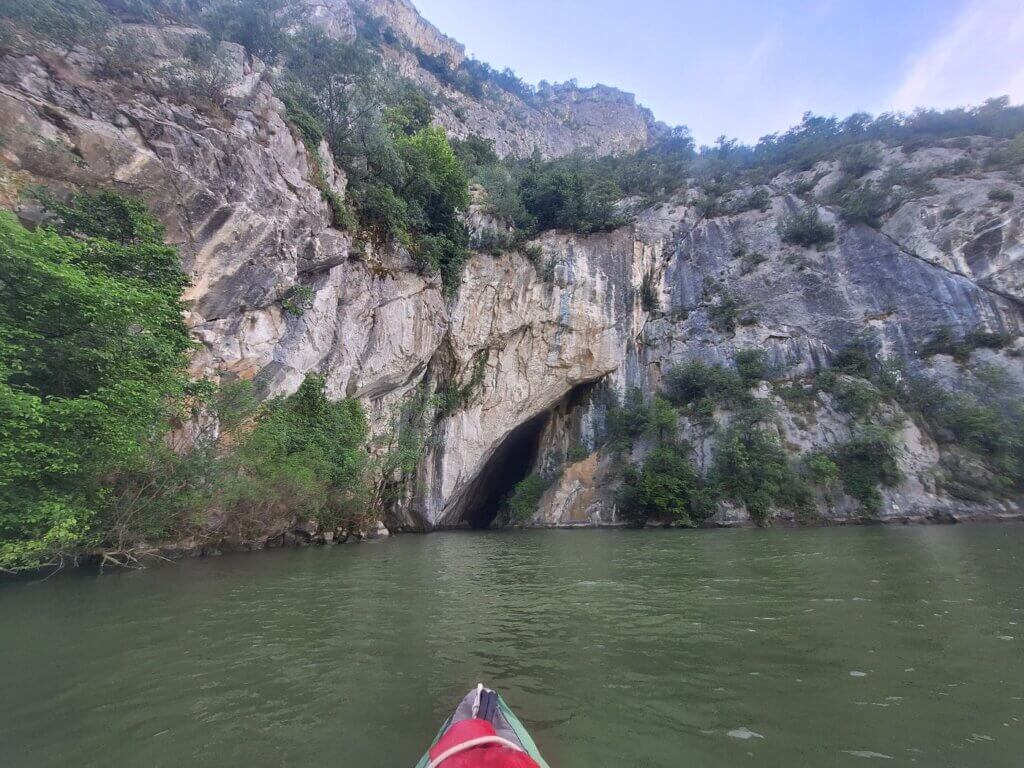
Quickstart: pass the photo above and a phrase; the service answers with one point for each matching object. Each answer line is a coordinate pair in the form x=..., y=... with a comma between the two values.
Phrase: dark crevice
x=511, y=462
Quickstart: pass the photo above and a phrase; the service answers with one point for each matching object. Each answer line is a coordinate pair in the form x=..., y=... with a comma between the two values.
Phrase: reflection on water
x=617, y=648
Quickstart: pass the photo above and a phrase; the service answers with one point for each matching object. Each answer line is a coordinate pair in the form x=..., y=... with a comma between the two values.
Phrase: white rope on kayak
x=477, y=742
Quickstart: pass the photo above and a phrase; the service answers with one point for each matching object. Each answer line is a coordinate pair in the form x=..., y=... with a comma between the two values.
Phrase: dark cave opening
x=511, y=462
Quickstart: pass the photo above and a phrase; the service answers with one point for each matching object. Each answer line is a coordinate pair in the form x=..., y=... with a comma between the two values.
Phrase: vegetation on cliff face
x=406, y=184
x=93, y=355
x=92, y=358
x=93, y=350
x=750, y=466
x=981, y=434
x=405, y=181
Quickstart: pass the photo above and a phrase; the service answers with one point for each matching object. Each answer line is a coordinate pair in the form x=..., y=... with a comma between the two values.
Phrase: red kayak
x=482, y=733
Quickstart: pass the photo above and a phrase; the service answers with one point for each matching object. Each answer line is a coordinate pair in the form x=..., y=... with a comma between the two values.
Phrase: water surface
x=902, y=646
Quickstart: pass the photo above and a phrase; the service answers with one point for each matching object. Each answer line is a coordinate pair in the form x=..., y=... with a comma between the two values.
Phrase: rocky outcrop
x=900, y=283
x=536, y=341
x=556, y=120
x=532, y=347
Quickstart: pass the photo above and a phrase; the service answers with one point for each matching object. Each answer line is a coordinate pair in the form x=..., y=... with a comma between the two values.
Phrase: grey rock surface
x=537, y=346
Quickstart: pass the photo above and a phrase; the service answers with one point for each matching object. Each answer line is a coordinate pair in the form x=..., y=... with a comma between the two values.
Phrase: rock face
x=535, y=348
x=556, y=120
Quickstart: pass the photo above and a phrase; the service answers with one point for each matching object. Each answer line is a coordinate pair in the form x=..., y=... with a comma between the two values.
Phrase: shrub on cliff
x=262, y=26
x=805, y=227
x=858, y=159
x=866, y=462
x=305, y=458
x=689, y=383
x=405, y=179
x=521, y=503
x=665, y=488
x=752, y=467
x=626, y=418
x=568, y=194
x=944, y=342
x=752, y=366
x=66, y=23
x=865, y=203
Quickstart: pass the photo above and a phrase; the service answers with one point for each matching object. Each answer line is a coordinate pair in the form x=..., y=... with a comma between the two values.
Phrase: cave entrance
x=511, y=462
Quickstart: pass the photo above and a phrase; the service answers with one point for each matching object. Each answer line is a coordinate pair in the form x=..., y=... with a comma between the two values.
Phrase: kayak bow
x=483, y=726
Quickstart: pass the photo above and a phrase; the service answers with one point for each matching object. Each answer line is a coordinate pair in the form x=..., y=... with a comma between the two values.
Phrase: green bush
x=302, y=112
x=751, y=261
x=475, y=152
x=533, y=253
x=92, y=366
x=121, y=56
x=666, y=488
x=752, y=468
x=979, y=338
x=649, y=294
x=866, y=203
x=992, y=429
x=858, y=398
x=799, y=397
x=66, y=23
x=723, y=313
x=305, y=457
x=758, y=200
x=752, y=366
x=568, y=194
x=1009, y=156
x=865, y=463
x=858, y=159
x=1001, y=195
x=261, y=26
x=944, y=342
x=626, y=418
x=521, y=504
x=854, y=360
x=406, y=182
x=805, y=227
x=298, y=300
x=689, y=383
x=822, y=469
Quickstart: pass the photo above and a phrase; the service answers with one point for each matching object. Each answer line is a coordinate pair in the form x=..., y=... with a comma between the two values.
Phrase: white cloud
x=980, y=54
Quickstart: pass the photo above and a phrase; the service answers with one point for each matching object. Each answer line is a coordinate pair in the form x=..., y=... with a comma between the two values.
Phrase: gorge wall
x=535, y=342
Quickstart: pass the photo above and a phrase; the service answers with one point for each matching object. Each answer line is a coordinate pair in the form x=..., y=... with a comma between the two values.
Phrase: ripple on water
x=590, y=636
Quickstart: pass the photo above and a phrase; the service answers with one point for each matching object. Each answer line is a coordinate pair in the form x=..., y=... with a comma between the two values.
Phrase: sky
x=747, y=68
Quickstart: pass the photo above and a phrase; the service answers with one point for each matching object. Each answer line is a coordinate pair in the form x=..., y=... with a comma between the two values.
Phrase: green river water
x=838, y=647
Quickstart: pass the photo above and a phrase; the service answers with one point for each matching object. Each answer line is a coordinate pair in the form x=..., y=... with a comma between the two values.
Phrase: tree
x=521, y=503
x=343, y=84
x=261, y=26
x=305, y=457
x=666, y=488
x=751, y=365
x=92, y=365
x=751, y=467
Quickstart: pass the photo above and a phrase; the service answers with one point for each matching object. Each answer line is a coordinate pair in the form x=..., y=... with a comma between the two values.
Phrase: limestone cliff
x=556, y=120
x=533, y=341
